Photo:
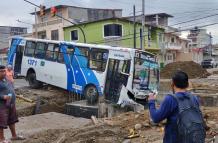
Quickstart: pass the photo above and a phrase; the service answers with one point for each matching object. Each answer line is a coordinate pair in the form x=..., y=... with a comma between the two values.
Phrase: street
x=19, y=83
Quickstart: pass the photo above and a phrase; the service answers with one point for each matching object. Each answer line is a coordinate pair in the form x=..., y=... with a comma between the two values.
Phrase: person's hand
x=152, y=96
x=6, y=97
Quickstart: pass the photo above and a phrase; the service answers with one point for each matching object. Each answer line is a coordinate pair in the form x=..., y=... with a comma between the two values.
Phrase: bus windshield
x=146, y=75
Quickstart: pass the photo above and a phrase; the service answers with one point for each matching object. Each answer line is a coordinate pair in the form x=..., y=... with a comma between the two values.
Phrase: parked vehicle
x=209, y=63
x=86, y=69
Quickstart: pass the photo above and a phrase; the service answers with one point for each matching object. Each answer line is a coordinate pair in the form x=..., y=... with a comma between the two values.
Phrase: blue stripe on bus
x=77, y=71
x=15, y=43
x=70, y=75
x=86, y=73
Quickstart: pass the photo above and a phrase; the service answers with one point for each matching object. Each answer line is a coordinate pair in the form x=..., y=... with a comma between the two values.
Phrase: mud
x=47, y=99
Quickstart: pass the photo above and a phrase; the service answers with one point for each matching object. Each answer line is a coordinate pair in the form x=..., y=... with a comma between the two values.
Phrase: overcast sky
x=182, y=10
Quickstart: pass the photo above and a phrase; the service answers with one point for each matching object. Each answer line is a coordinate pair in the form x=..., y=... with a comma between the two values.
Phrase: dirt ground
x=107, y=130
x=48, y=99
x=46, y=128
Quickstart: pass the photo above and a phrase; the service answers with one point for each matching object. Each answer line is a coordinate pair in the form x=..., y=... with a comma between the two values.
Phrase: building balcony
x=48, y=23
x=173, y=46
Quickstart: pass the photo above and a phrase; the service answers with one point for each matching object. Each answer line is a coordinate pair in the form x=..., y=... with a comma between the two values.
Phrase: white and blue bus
x=87, y=69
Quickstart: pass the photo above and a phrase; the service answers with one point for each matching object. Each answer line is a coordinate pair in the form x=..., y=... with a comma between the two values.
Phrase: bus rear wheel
x=91, y=94
x=33, y=83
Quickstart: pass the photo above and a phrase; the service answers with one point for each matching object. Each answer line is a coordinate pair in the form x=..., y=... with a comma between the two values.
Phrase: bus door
x=18, y=58
x=117, y=75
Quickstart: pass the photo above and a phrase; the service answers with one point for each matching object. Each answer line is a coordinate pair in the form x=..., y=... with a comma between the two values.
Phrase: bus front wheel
x=33, y=83
x=91, y=94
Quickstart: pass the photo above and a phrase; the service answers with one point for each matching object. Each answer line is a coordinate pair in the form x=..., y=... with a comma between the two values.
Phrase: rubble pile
x=193, y=70
x=118, y=129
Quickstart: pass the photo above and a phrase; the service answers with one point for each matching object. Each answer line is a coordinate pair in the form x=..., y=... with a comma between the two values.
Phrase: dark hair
x=180, y=79
x=2, y=67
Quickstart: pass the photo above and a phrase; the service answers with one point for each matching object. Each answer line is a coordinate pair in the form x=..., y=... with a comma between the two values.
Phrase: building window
x=30, y=48
x=74, y=35
x=54, y=35
x=172, y=40
x=98, y=59
x=112, y=30
x=42, y=35
x=40, y=50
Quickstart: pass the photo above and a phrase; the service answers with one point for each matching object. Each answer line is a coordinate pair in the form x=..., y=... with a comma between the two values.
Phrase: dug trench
x=37, y=101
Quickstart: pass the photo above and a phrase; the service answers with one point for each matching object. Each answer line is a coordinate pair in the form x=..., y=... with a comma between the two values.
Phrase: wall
x=94, y=34
x=53, y=23
x=180, y=56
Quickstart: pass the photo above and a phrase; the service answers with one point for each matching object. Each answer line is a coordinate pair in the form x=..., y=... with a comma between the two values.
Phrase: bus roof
x=84, y=44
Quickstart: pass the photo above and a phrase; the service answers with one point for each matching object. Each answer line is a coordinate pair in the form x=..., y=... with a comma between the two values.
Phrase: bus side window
x=30, y=48
x=82, y=54
x=98, y=59
x=40, y=50
x=60, y=56
x=52, y=52
x=56, y=50
x=83, y=51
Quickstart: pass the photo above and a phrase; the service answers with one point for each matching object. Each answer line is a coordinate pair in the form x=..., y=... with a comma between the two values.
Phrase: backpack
x=190, y=122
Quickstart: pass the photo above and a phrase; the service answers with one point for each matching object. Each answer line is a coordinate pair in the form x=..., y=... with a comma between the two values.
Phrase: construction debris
x=193, y=70
x=24, y=98
x=94, y=120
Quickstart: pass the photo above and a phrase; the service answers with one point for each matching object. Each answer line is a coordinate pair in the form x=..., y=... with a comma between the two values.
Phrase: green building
x=115, y=32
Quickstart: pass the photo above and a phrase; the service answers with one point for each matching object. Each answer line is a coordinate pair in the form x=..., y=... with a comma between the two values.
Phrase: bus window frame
x=101, y=60
x=25, y=54
x=53, y=59
x=45, y=49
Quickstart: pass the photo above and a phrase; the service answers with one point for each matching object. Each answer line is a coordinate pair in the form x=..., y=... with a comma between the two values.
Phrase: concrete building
x=200, y=41
x=8, y=31
x=5, y=33
x=176, y=49
x=49, y=27
x=115, y=32
x=157, y=19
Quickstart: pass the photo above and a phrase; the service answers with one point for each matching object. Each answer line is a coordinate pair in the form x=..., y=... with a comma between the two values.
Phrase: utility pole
x=143, y=25
x=36, y=31
x=134, y=42
x=211, y=50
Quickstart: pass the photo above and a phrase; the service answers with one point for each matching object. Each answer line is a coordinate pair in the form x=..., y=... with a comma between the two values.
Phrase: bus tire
x=33, y=83
x=91, y=94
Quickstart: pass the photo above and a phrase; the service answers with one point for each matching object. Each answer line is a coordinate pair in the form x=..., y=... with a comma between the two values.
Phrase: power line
x=182, y=22
x=190, y=15
x=23, y=22
x=195, y=11
x=121, y=39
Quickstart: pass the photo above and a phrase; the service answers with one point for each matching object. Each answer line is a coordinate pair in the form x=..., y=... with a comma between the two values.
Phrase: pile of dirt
x=193, y=70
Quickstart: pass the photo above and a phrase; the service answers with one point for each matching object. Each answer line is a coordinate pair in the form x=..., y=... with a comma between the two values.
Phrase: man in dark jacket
x=169, y=107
